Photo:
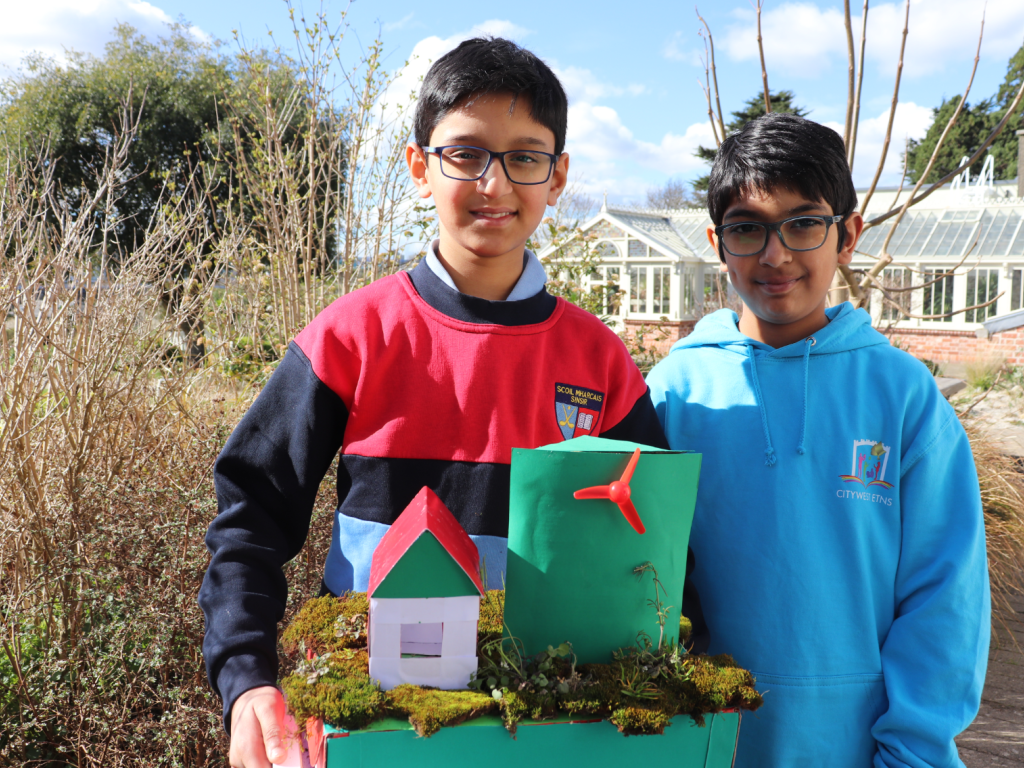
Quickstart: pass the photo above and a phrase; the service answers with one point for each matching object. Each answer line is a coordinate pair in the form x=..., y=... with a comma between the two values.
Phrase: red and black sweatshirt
x=416, y=384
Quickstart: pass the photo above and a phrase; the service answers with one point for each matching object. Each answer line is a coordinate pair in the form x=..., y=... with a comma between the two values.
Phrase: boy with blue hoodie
x=839, y=538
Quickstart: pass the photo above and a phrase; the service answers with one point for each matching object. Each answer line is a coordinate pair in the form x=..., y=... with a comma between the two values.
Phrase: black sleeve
x=700, y=637
x=266, y=480
x=640, y=425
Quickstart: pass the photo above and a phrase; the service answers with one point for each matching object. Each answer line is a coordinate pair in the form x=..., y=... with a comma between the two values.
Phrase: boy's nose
x=495, y=181
x=775, y=254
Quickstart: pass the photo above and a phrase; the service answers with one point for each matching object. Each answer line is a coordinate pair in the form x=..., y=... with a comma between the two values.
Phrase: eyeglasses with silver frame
x=465, y=163
x=798, y=233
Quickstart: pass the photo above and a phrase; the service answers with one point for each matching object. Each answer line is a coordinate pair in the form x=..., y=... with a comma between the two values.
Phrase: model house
x=424, y=592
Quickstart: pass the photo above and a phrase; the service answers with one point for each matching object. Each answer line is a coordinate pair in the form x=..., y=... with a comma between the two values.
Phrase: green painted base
x=576, y=744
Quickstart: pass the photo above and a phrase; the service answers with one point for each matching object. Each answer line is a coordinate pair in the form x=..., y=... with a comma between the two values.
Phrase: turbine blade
x=630, y=513
x=594, y=492
x=630, y=467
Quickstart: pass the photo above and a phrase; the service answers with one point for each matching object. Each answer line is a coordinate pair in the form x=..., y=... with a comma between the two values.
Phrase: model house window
x=898, y=304
x=660, y=290
x=982, y=287
x=938, y=295
x=422, y=639
x=1015, y=290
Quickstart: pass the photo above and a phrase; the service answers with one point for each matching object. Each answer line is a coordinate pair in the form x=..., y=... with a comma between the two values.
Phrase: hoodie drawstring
x=808, y=343
x=769, y=452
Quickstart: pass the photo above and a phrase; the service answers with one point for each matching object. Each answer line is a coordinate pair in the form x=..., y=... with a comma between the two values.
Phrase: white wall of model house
x=423, y=641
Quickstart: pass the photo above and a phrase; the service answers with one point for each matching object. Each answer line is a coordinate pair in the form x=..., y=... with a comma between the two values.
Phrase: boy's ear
x=416, y=159
x=854, y=224
x=713, y=239
x=559, y=178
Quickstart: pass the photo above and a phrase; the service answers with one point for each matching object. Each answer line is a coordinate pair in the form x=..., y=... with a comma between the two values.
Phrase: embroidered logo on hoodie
x=870, y=459
x=577, y=409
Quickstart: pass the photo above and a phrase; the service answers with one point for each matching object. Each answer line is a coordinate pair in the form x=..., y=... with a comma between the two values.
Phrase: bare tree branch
x=851, y=148
x=960, y=169
x=714, y=75
x=706, y=87
x=851, y=73
x=892, y=112
x=760, y=48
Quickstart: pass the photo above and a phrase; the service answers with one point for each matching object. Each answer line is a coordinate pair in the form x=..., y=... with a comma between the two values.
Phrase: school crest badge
x=577, y=410
x=870, y=459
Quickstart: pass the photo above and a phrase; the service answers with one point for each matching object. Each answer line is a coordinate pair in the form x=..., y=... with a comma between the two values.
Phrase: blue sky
x=632, y=71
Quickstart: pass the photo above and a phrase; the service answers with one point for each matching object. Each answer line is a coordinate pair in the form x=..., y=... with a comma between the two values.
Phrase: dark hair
x=783, y=150
x=491, y=65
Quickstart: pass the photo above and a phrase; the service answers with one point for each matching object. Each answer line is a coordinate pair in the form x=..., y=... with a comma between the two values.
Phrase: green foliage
x=178, y=88
x=640, y=690
x=102, y=659
x=972, y=127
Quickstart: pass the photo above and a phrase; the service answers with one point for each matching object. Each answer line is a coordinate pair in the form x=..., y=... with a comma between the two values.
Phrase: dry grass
x=1002, y=496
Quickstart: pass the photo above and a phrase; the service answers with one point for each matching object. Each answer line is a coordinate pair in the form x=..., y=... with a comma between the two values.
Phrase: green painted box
x=570, y=744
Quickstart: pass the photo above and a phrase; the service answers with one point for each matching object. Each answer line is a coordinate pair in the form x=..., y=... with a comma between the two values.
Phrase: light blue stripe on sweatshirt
x=353, y=542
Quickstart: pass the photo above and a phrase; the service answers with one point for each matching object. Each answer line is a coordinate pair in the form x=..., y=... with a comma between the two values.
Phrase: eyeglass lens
x=748, y=238
x=469, y=163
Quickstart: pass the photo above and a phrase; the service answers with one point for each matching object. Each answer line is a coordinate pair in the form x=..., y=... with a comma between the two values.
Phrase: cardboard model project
x=583, y=515
x=424, y=593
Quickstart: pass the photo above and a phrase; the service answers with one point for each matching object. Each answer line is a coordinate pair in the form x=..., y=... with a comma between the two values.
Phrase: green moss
x=640, y=720
x=326, y=624
x=685, y=629
x=429, y=709
x=492, y=608
x=337, y=688
x=640, y=691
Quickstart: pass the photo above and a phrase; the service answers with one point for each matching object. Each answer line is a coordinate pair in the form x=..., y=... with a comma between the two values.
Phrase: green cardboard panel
x=569, y=745
x=570, y=562
x=426, y=570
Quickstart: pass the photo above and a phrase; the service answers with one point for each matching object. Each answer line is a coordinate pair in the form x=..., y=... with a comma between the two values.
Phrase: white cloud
x=804, y=38
x=911, y=122
x=581, y=85
x=429, y=49
x=798, y=37
x=54, y=26
x=606, y=153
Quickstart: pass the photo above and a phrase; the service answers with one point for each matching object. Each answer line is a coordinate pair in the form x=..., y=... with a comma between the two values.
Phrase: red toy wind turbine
x=618, y=492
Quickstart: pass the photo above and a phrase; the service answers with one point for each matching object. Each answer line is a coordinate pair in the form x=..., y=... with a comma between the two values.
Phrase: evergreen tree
x=972, y=127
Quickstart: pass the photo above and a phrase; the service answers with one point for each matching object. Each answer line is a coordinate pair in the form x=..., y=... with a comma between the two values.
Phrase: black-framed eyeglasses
x=799, y=233
x=522, y=166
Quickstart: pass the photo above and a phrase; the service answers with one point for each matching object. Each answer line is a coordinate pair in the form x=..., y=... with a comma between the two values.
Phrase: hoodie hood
x=847, y=329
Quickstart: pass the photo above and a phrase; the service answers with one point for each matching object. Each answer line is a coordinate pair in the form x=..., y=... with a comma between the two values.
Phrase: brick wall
x=658, y=335
x=943, y=346
x=935, y=344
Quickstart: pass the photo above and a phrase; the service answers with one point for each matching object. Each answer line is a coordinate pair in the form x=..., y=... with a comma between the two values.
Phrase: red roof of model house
x=426, y=512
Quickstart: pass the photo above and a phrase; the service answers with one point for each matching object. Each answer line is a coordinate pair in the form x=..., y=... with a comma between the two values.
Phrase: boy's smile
x=784, y=291
x=484, y=224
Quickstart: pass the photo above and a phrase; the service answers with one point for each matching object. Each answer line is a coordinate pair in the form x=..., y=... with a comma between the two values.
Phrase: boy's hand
x=257, y=729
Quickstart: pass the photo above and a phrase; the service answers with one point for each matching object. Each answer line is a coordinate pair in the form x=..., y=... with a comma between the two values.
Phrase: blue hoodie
x=839, y=540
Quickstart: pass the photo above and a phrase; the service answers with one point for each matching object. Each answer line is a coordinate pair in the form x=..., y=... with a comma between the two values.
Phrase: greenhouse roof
x=993, y=231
